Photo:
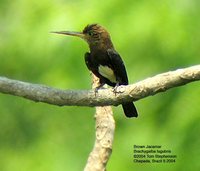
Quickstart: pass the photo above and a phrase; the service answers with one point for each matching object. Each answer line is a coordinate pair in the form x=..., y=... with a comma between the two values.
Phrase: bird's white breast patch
x=107, y=73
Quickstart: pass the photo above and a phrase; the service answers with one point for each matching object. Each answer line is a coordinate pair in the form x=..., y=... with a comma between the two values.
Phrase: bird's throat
x=101, y=45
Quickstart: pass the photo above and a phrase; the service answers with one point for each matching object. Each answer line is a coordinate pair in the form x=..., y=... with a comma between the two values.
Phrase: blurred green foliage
x=151, y=36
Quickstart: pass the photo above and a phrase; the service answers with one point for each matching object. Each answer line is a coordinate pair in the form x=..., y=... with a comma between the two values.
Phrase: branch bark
x=105, y=128
x=133, y=92
x=105, y=124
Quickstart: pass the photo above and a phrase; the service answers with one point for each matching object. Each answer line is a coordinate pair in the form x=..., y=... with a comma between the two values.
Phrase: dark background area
x=151, y=36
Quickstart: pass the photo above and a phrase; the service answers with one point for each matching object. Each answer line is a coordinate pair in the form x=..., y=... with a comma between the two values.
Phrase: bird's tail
x=129, y=109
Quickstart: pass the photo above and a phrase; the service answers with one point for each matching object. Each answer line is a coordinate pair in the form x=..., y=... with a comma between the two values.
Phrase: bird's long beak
x=70, y=33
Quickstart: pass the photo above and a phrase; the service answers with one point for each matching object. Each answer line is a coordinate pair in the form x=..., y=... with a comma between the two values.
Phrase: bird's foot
x=98, y=87
x=115, y=88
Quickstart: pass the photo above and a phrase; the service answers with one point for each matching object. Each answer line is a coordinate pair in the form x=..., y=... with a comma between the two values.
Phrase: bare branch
x=105, y=124
x=105, y=128
x=133, y=92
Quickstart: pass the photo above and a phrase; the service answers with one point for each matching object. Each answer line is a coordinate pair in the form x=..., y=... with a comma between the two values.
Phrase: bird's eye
x=90, y=33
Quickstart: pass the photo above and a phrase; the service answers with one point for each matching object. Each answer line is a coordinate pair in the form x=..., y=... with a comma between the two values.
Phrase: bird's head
x=95, y=35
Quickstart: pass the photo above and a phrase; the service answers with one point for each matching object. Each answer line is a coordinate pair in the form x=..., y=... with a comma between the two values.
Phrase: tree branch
x=133, y=92
x=105, y=128
x=105, y=124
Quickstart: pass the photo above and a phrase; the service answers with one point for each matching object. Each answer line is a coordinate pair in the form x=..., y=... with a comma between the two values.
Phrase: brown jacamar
x=104, y=61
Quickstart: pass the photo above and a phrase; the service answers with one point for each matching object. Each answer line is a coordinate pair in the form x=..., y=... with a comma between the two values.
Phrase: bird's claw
x=97, y=88
x=115, y=89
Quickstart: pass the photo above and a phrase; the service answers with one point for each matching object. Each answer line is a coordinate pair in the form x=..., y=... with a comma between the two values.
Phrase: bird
x=104, y=61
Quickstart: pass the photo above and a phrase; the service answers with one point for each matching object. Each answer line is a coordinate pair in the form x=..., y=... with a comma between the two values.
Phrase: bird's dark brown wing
x=94, y=67
x=118, y=67
x=121, y=76
x=88, y=61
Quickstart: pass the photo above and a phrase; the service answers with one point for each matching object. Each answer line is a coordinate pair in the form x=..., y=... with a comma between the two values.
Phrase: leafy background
x=151, y=36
